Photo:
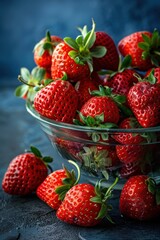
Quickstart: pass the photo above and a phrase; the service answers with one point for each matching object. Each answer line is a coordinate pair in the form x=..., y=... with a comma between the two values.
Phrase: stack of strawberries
x=92, y=82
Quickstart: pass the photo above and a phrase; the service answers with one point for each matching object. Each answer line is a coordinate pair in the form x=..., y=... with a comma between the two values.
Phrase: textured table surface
x=28, y=218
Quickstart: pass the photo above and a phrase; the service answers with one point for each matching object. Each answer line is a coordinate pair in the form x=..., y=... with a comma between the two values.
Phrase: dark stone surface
x=28, y=218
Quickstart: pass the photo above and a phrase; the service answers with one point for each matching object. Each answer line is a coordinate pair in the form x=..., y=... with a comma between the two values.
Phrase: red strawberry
x=122, y=81
x=144, y=99
x=143, y=47
x=71, y=148
x=130, y=169
x=85, y=205
x=140, y=198
x=43, y=50
x=75, y=57
x=155, y=72
x=58, y=101
x=25, y=173
x=130, y=153
x=53, y=189
x=110, y=60
x=63, y=63
x=99, y=109
x=129, y=137
x=84, y=89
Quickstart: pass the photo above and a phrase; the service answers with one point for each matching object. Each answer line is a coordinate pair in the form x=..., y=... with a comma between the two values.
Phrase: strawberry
x=53, y=189
x=25, y=173
x=71, y=149
x=130, y=153
x=143, y=99
x=100, y=109
x=75, y=57
x=130, y=169
x=123, y=79
x=110, y=60
x=156, y=72
x=129, y=137
x=143, y=47
x=43, y=50
x=140, y=198
x=85, y=205
x=58, y=101
x=84, y=89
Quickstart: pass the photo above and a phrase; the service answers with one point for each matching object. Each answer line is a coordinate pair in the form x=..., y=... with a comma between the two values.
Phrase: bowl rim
x=44, y=120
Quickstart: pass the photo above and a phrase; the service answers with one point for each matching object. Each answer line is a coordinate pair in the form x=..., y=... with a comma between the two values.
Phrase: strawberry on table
x=43, y=50
x=53, y=189
x=143, y=47
x=86, y=205
x=25, y=173
x=58, y=101
x=140, y=198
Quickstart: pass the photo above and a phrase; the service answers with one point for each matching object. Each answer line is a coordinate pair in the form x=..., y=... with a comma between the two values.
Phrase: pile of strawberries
x=92, y=82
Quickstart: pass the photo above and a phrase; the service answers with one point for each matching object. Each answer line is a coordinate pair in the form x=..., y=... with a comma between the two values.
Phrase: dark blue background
x=24, y=23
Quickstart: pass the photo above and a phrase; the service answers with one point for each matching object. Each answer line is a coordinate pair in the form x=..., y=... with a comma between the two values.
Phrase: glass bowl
x=98, y=153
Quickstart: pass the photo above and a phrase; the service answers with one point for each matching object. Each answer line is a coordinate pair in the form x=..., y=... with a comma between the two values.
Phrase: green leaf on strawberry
x=82, y=47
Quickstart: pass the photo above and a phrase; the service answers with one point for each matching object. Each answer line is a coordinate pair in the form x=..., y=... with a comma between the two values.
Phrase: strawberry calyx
x=94, y=160
x=119, y=99
x=45, y=44
x=124, y=63
x=151, y=47
x=153, y=187
x=82, y=47
x=32, y=82
x=102, y=196
x=69, y=181
x=150, y=78
x=46, y=159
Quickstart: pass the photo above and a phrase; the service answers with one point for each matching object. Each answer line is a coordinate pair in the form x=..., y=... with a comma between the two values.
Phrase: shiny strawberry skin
x=156, y=73
x=57, y=101
x=121, y=82
x=77, y=209
x=130, y=153
x=83, y=89
x=111, y=59
x=144, y=99
x=101, y=105
x=128, y=137
x=46, y=191
x=63, y=63
x=129, y=46
x=44, y=60
x=24, y=174
x=136, y=201
x=130, y=169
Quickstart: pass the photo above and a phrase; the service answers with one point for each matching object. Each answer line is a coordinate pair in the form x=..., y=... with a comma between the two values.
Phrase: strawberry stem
x=78, y=171
x=92, y=33
x=25, y=82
